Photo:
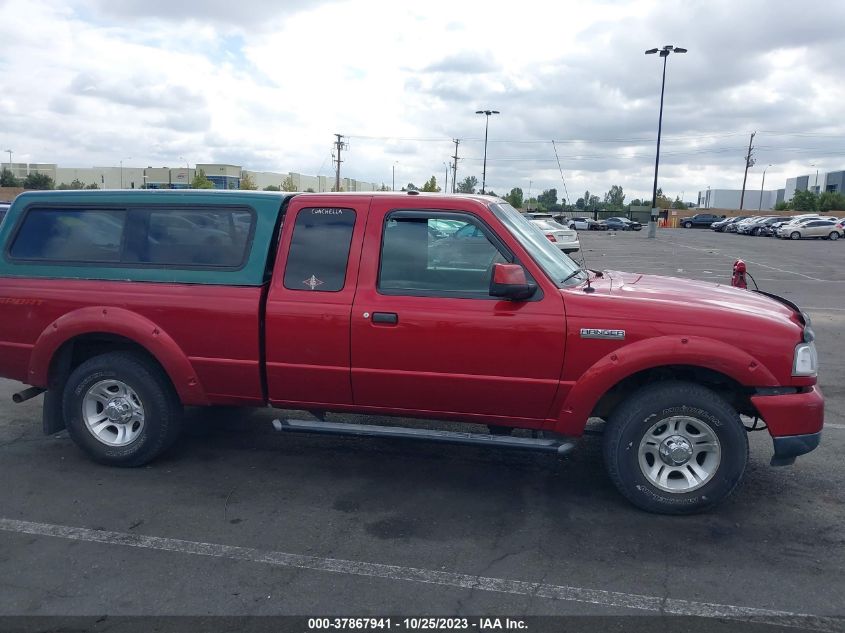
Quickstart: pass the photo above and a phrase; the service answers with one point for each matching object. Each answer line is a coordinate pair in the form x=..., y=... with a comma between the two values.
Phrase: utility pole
x=455, y=166
x=339, y=146
x=749, y=162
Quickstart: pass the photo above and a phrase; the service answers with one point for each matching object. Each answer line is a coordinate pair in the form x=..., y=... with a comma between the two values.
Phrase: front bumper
x=795, y=421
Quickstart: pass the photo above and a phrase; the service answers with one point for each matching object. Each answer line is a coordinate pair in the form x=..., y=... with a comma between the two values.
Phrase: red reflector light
x=551, y=237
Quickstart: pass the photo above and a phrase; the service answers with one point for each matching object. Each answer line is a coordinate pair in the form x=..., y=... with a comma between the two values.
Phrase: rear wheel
x=121, y=410
x=795, y=235
x=675, y=448
x=687, y=225
x=833, y=235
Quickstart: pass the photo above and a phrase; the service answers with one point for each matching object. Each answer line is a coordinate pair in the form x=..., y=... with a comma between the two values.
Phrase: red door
x=310, y=301
x=426, y=336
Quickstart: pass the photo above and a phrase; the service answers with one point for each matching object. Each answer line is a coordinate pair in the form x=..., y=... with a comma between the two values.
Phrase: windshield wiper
x=572, y=274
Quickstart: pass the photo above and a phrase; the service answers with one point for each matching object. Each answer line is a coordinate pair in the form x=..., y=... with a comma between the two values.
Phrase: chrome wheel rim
x=679, y=454
x=113, y=413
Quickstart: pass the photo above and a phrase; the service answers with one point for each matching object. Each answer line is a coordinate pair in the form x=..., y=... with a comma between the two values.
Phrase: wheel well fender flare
x=123, y=323
x=652, y=353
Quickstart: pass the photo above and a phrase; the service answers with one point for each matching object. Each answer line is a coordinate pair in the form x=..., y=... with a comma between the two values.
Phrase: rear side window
x=70, y=235
x=216, y=238
x=319, y=249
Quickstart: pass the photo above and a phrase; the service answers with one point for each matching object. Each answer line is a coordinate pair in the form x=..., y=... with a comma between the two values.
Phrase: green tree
x=515, y=198
x=247, y=182
x=7, y=179
x=831, y=201
x=614, y=200
x=93, y=185
x=272, y=188
x=201, y=181
x=310, y=190
x=580, y=204
x=492, y=193
x=75, y=184
x=595, y=203
x=805, y=201
x=288, y=184
x=679, y=204
x=468, y=185
x=430, y=185
x=410, y=187
x=783, y=205
x=38, y=181
x=636, y=202
x=384, y=188
x=662, y=201
x=547, y=199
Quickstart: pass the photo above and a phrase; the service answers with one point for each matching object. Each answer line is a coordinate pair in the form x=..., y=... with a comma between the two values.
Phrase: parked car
x=565, y=239
x=587, y=224
x=742, y=226
x=811, y=228
x=622, y=224
x=754, y=228
x=732, y=227
x=722, y=224
x=343, y=307
x=700, y=220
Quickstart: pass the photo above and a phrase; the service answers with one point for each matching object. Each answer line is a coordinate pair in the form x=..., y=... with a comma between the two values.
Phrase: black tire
x=162, y=409
x=833, y=235
x=631, y=420
x=687, y=225
x=795, y=235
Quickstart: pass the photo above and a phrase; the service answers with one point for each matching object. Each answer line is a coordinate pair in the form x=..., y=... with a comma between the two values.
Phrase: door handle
x=387, y=318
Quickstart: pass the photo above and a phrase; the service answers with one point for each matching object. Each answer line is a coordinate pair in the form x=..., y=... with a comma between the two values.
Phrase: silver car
x=811, y=228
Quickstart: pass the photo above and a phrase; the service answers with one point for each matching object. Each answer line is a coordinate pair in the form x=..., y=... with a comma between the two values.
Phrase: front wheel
x=687, y=225
x=121, y=409
x=675, y=448
x=795, y=235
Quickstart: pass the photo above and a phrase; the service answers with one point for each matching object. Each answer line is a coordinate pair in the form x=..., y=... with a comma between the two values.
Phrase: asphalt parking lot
x=240, y=520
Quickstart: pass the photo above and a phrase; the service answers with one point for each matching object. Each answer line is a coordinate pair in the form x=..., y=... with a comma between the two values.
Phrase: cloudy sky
x=266, y=83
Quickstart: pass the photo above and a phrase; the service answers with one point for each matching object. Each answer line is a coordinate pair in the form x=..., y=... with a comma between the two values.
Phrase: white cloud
x=267, y=84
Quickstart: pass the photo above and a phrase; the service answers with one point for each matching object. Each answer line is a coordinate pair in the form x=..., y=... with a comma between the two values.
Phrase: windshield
x=552, y=260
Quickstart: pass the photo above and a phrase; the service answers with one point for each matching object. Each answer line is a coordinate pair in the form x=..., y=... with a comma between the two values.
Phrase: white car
x=565, y=239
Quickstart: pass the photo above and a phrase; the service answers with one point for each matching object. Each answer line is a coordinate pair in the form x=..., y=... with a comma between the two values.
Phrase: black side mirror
x=510, y=282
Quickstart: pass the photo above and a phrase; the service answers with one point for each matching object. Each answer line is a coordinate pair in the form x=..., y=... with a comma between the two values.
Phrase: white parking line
x=657, y=604
x=831, y=425
x=749, y=261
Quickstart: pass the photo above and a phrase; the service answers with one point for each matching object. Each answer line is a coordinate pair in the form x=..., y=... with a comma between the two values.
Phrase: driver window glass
x=436, y=256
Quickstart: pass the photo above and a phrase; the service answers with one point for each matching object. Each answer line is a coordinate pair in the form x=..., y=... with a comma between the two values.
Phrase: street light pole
x=393, y=183
x=487, y=114
x=664, y=53
x=816, y=185
x=187, y=172
x=760, y=206
x=446, y=182
x=10, y=160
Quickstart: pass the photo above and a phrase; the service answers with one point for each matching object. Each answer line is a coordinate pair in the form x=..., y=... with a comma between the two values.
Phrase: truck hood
x=696, y=296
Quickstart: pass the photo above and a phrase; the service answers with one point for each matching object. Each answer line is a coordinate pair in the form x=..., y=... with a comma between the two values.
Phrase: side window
x=192, y=237
x=319, y=249
x=70, y=235
x=419, y=258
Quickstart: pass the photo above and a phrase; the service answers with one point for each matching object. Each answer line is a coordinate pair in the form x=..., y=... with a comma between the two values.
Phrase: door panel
x=310, y=299
x=464, y=353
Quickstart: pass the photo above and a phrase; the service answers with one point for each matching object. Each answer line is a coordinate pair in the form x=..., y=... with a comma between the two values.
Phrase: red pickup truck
x=126, y=306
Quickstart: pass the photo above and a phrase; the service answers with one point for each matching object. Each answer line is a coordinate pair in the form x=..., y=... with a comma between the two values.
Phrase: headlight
x=806, y=362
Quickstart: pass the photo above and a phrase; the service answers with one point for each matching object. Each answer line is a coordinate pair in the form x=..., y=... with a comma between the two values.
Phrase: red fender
x=120, y=322
x=650, y=353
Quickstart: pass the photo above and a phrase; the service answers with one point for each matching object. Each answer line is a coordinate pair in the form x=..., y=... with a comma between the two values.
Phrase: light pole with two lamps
x=487, y=114
x=664, y=53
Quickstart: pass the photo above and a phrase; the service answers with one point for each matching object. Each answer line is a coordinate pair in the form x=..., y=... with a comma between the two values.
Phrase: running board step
x=561, y=447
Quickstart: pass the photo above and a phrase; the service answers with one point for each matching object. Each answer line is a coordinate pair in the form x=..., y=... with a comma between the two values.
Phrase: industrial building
x=223, y=176
x=767, y=199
